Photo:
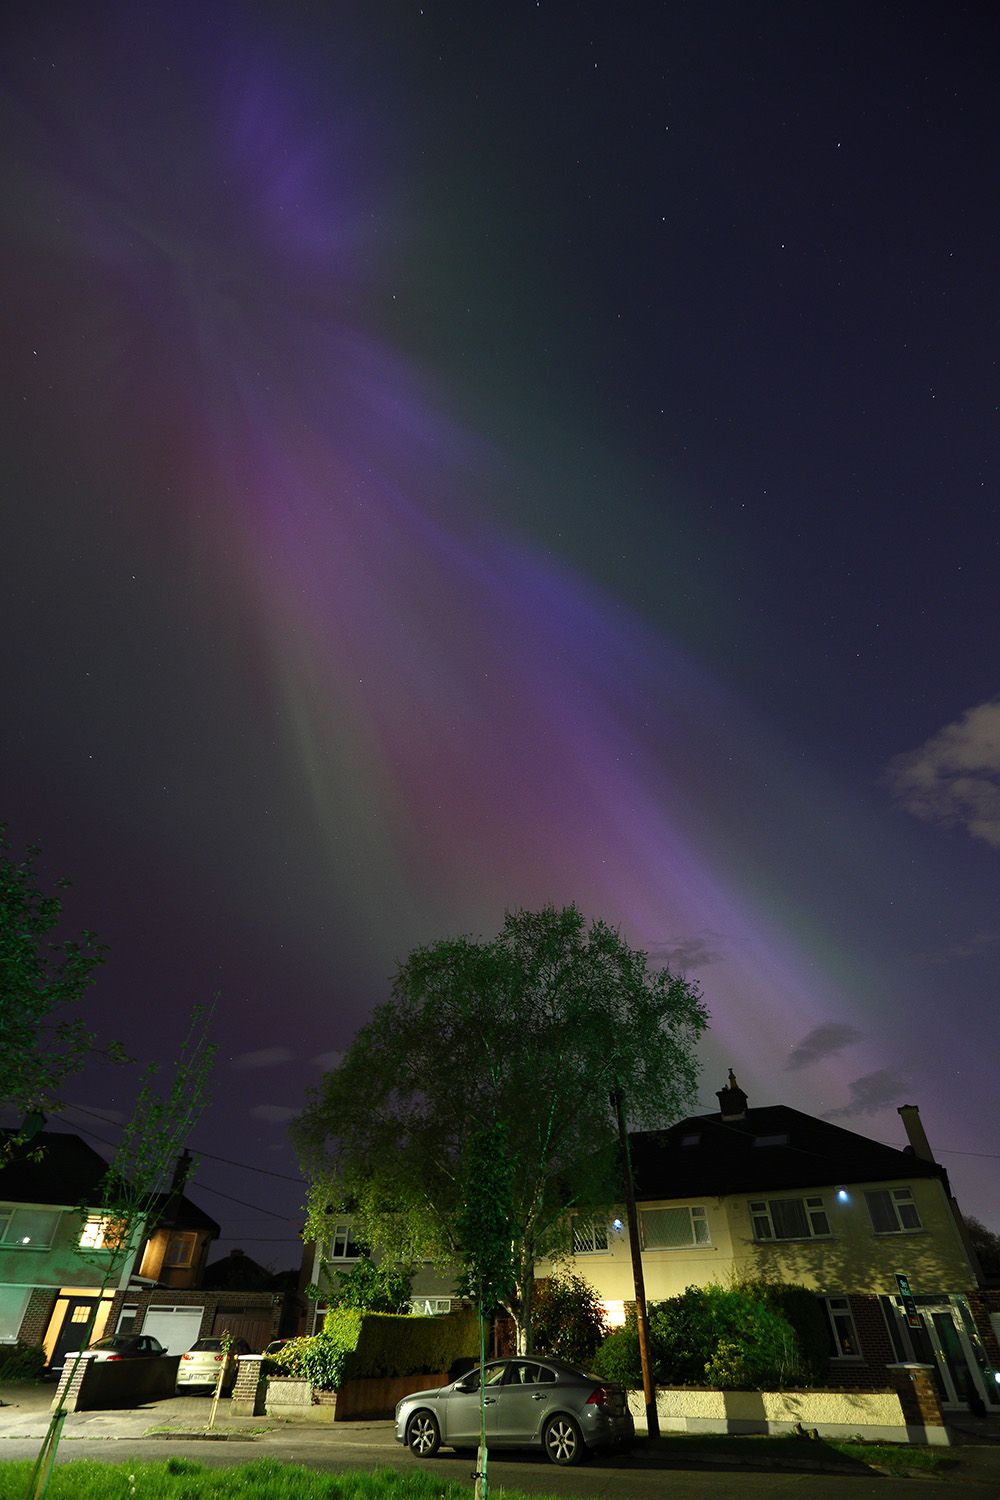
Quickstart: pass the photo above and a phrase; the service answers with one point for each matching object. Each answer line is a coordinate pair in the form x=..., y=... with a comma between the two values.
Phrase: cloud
x=825, y=1040
x=276, y=1114
x=980, y=942
x=264, y=1057
x=681, y=954
x=327, y=1060
x=870, y=1095
x=954, y=778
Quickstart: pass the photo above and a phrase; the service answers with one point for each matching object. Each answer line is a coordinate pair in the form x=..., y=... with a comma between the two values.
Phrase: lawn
x=264, y=1479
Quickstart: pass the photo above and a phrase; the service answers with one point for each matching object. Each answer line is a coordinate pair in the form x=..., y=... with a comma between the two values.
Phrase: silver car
x=530, y=1403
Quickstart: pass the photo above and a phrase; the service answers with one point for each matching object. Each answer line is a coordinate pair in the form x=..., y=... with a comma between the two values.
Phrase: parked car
x=123, y=1346
x=530, y=1403
x=200, y=1365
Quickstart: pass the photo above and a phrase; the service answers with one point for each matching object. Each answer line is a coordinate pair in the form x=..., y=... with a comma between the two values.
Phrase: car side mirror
x=465, y=1385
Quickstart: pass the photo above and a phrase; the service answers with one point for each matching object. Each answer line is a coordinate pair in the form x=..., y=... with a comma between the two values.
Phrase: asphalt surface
x=161, y=1429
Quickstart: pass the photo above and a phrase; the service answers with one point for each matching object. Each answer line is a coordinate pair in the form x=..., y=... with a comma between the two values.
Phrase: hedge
x=401, y=1344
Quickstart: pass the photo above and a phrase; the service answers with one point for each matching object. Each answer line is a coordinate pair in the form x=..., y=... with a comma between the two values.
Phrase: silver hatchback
x=530, y=1403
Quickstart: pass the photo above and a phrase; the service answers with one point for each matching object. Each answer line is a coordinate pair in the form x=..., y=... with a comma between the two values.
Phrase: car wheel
x=423, y=1436
x=563, y=1442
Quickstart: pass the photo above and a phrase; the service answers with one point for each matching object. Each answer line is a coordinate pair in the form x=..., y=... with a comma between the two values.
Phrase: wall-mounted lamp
x=843, y=1196
x=617, y=1226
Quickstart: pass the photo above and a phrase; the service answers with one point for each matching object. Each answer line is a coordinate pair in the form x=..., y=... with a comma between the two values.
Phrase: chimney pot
x=910, y=1116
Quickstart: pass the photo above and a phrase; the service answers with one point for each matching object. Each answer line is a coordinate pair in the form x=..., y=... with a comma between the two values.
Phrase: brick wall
x=37, y=1315
x=210, y=1301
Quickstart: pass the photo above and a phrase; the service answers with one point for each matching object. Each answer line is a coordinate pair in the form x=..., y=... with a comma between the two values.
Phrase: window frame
x=895, y=1197
x=190, y=1240
x=592, y=1229
x=832, y=1315
x=813, y=1208
x=8, y=1221
x=697, y=1214
x=344, y=1229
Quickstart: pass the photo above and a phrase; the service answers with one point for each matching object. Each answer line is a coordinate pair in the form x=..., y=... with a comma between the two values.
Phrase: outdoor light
x=617, y=1225
x=843, y=1195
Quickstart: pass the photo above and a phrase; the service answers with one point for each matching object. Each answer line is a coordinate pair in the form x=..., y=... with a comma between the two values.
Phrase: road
x=644, y=1476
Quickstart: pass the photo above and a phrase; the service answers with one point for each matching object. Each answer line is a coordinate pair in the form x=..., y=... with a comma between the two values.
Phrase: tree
x=986, y=1245
x=570, y=1322
x=39, y=977
x=530, y=1030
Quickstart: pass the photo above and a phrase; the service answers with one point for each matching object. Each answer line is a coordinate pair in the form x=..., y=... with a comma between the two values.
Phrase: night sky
x=468, y=455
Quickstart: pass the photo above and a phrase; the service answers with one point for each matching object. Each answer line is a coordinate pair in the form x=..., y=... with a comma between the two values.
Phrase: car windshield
x=115, y=1342
x=206, y=1346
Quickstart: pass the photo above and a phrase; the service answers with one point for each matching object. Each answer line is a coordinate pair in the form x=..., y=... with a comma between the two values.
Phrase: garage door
x=177, y=1328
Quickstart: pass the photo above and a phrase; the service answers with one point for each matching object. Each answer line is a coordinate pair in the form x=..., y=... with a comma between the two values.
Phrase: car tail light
x=219, y=1358
x=599, y=1397
x=111, y=1357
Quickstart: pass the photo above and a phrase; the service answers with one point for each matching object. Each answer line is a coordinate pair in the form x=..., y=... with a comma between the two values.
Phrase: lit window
x=343, y=1245
x=893, y=1211
x=101, y=1233
x=589, y=1236
x=843, y=1333
x=27, y=1228
x=673, y=1228
x=180, y=1250
x=789, y=1219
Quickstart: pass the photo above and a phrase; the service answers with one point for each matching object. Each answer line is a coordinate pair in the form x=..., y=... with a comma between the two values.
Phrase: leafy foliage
x=21, y=1361
x=986, y=1245
x=483, y=1220
x=40, y=975
x=321, y=1359
x=531, y=1030
x=725, y=1337
x=569, y=1319
x=372, y=1288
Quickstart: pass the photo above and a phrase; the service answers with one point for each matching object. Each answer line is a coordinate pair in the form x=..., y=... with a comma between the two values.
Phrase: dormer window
x=691, y=1140
x=771, y=1140
x=180, y=1251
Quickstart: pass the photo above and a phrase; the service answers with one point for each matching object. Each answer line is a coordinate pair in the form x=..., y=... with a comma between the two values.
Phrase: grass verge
x=264, y=1479
x=889, y=1458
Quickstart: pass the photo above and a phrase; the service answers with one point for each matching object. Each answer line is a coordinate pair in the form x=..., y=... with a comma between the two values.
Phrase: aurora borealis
x=459, y=460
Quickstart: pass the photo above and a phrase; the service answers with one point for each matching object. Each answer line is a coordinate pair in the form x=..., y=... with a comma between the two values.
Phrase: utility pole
x=648, y=1388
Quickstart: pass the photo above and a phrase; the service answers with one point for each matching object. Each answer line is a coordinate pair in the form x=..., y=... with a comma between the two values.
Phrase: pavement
x=178, y=1424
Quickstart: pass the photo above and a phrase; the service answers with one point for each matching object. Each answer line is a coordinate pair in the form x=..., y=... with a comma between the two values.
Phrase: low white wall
x=875, y=1415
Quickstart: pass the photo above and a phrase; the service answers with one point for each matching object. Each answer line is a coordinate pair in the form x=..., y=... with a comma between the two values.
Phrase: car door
x=461, y=1409
x=525, y=1399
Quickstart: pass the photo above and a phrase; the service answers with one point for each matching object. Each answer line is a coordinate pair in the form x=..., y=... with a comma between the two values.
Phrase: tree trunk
x=525, y=1305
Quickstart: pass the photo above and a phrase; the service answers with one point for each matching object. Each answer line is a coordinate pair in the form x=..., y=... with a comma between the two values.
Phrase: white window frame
x=342, y=1236
x=14, y=1316
x=697, y=1219
x=590, y=1236
x=897, y=1199
x=817, y=1226
x=11, y=1232
x=840, y=1307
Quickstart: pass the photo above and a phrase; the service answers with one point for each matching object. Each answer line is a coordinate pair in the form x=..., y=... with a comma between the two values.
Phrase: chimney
x=919, y=1144
x=182, y=1171
x=732, y=1100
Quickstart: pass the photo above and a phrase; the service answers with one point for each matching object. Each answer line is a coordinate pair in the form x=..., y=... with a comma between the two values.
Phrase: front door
x=943, y=1341
x=75, y=1332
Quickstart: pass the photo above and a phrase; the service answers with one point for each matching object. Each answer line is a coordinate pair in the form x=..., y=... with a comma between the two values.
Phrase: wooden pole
x=648, y=1388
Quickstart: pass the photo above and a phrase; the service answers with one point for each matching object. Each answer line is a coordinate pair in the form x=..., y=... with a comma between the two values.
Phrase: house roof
x=772, y=1148
x=68, y=1171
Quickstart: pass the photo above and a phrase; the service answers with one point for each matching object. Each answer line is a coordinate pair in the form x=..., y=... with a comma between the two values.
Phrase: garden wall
x=874, y=1415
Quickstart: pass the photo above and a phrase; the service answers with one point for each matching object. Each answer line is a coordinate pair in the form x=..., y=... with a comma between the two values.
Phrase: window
x=770, y=1140
x=102, y=1233
x=13, y=1301
x=893, y=1211
x=28, y=1228
x=789, y=1219
x=428, y=1307
x=343, y=1245
x=673, y=1228
x=128, y=1320
x=180, y=1250
x=589, y=1236
x=843, y=1333
x=690, y=1140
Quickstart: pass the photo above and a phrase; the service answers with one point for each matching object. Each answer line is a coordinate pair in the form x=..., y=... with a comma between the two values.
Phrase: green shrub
x=569, y=1321
x=803, y=1310
x=618, y=1357
x=372, y=1288
x=725, y=1337
x=21, y=1361
x=319, y=1359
